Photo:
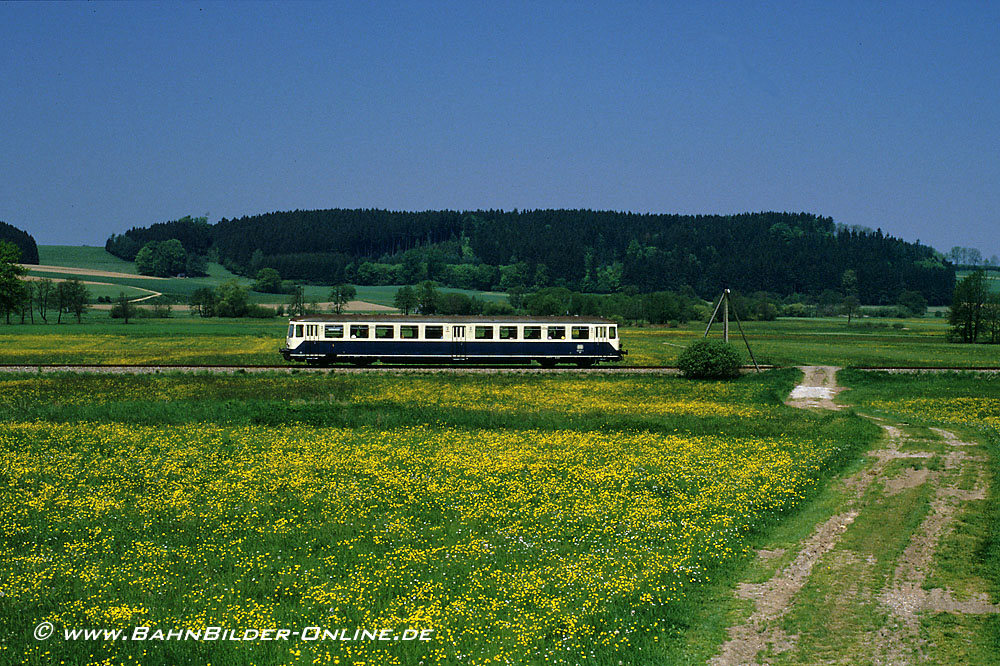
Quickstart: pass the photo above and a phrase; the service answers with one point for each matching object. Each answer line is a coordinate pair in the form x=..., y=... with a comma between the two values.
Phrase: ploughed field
x=562, y=519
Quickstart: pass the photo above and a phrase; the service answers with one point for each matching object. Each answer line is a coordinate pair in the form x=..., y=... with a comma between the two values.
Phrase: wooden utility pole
x=724, y=304
x=725, y=316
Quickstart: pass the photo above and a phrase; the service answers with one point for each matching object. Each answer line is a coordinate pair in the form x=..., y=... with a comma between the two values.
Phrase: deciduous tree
x=268, y=281
x=297, y=306
x=341, y=295
x=849, y=283
x=914, y=303
x=123, y=308
x=966, y=315
x=71, y=298
x=426, y=293
x=231, y=300
x=991, y=317
x=12, y=289
x=45, y=291
x=405, y=299
x=28, y=302
x=203, y=301
x=161, y=258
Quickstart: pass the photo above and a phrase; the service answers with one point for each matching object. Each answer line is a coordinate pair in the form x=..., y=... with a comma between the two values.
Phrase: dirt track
x=899, y=597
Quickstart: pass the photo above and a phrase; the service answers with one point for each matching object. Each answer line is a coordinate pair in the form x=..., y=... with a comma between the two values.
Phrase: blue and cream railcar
x=364, y=339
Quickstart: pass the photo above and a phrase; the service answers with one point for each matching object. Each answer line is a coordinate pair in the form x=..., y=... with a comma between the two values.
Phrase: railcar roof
x=431, y=319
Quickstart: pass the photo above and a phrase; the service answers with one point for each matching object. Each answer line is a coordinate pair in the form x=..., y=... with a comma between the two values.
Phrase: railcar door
x=600, y=338
x=458, y=343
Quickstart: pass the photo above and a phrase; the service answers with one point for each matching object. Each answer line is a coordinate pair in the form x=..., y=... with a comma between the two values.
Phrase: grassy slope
x=83, y=256
x=95, y=258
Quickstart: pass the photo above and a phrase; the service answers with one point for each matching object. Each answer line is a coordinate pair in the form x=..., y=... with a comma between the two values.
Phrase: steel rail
x=412, y=367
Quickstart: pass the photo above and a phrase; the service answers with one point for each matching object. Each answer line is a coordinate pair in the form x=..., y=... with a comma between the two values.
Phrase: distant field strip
x=69, y=270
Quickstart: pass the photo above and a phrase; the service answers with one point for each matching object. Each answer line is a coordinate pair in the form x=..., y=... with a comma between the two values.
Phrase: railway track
x=525, y=369
x=293, y=369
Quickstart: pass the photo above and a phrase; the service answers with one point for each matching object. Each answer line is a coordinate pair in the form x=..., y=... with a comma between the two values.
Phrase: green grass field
x=992, y=277
x=822, y=341
x=83, y=256
x=114, y=291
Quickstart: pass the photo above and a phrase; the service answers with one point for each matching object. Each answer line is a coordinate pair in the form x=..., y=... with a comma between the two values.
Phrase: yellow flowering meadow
x=110, y=388
x=135, y=345
x=512, y=546
x=980, y=411
x=567, y=395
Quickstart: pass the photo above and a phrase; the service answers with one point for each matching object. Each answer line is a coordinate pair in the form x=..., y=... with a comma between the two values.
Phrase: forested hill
x=23, y=240
x=597, y=251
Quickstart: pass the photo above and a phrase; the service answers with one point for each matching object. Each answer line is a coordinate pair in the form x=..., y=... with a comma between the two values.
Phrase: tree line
x=660, y=307
x=166, y=249
x=23, y=298
x=970, y=256
x=581, y=250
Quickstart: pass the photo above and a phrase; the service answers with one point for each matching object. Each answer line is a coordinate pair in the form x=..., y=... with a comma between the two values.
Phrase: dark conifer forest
x=582, y=250
x=23, y=241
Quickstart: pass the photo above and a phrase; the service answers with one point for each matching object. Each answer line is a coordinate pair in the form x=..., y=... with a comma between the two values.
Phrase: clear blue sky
x=874, y=113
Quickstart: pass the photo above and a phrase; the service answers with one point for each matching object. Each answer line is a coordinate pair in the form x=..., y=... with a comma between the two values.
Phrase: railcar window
x=291, y=330
x=581, y=332
x=484, y=332
x=434, y=332
x=458, y=332
x=532, y=332
x=408, y=332
x=613, y=332
x=508, y=332
x=359, y=330
x=298, y=330
x=382, y=331
x=333, y=331
x=557, y=333
x=312, y=329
